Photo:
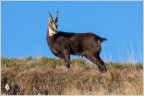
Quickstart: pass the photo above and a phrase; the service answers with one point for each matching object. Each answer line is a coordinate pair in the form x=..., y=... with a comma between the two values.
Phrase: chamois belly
x=76, y=49
x=79, y=53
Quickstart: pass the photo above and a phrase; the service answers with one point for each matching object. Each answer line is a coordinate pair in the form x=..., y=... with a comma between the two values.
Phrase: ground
x=50, y=77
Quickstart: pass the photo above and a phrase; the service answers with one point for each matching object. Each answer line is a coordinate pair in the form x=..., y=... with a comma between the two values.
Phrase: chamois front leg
x=66, y=58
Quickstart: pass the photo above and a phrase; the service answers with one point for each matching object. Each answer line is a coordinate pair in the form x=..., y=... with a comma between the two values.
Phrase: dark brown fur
x=64, y=44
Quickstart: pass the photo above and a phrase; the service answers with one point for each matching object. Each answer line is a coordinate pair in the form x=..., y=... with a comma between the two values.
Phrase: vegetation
x=49, y=76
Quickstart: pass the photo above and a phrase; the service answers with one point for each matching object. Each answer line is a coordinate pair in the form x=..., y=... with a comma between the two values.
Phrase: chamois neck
x=50, y=38
x=51, y=33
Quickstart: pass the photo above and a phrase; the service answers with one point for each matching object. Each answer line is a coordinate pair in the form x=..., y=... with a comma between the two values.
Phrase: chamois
x=63, y=44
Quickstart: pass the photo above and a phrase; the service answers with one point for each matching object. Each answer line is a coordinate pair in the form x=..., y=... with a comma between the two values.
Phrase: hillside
x=50, y=76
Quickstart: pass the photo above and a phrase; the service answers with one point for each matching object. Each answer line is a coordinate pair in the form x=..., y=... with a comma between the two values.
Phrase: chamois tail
x=102, y=39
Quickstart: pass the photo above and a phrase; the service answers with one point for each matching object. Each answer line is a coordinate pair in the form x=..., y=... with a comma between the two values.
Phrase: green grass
x=49, y=76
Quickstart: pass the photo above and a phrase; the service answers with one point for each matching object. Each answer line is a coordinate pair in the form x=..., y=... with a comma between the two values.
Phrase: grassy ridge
x=50, y=76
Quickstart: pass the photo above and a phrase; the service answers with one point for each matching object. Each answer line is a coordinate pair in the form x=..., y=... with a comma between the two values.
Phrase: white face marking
x=54, y=26
x=51, y=32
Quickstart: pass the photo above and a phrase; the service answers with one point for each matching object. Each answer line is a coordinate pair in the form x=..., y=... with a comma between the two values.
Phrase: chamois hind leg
x=66, y=58
x=97, y=60
x=102, y=65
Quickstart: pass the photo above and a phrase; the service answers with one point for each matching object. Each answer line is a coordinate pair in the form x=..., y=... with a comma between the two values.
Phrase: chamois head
x=52, y=24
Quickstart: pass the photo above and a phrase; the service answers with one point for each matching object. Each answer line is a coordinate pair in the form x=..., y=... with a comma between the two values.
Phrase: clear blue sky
x=24, y=27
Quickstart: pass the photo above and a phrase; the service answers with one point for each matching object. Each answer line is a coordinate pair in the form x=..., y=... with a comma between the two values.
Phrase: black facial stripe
x=52, y=28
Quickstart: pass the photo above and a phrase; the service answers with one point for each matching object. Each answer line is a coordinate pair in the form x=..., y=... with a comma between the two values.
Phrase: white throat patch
x=51, y=32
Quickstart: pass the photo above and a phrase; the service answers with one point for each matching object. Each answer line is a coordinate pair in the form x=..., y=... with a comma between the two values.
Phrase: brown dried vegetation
x=50, y=76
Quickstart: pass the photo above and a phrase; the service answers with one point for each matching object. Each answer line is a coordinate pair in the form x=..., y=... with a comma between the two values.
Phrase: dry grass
x=50, y=76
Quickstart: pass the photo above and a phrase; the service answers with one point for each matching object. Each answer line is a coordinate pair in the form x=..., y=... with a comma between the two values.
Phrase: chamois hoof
x=68, y=66
x=102, y=69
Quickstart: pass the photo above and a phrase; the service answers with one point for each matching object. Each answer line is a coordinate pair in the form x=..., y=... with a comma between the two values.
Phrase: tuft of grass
x=49, y=76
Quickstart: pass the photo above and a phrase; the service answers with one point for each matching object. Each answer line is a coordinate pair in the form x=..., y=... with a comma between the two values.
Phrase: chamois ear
x=56, y=18
x=50, y=19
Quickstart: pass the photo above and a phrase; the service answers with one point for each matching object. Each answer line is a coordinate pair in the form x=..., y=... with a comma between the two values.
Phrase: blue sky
x=24, y=27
